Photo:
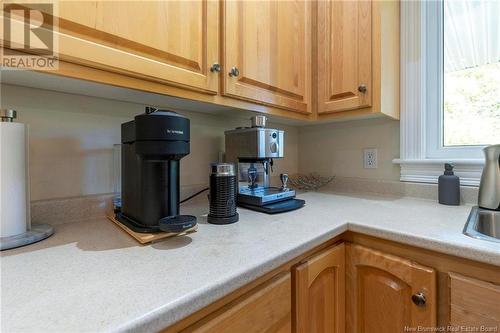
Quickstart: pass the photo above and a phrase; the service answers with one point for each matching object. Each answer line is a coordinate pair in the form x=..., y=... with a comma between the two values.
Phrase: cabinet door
x=269, y=45
x=320, y=293
x=474, y=303
x=263, y=310
x=381, y=289
x=169, y=41
x=344, y=55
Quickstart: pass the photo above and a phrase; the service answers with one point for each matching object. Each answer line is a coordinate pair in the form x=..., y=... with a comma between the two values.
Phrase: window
x=462, y=55
x=450, y=91
x=471, y=66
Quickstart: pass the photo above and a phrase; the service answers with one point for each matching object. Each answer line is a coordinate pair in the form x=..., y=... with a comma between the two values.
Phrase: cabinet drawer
x=264, y=309
x=474, y=302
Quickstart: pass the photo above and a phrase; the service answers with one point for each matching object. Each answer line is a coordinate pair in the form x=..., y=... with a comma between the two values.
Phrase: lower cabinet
x=265, y=309
x=348, y=287
x=385, y=293
x=319, y=294
x=474, y=303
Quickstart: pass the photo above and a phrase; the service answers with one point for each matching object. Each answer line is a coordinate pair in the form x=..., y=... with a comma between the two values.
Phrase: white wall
x=72, y=137
x=337, y=148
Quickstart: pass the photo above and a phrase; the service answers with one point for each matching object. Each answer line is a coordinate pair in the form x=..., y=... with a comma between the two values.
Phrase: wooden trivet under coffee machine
x=145, y=238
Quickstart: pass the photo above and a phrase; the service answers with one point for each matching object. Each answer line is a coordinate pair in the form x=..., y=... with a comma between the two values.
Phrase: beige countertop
x=91, y=276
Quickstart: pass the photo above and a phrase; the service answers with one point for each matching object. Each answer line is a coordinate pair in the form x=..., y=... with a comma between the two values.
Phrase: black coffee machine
x=152, y=146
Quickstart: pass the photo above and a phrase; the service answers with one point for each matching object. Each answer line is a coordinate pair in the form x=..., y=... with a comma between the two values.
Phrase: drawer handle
x=418, y=299
x=234, y=72
x=362, y=88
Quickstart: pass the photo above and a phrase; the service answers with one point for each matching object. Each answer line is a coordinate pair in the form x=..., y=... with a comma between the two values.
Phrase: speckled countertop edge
x=182, y=308
x=433, y=244
x=204, y=297
x=363, y=222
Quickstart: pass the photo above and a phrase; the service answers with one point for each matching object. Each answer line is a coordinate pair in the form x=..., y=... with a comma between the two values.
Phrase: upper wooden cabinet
x=268, y=43
x=386, y=293
x=344, y=55
x=357, y=56
x=169, y=41
x=305, y=60
x=320, y=292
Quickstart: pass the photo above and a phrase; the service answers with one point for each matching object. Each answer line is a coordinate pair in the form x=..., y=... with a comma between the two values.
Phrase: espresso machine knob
x=274, y=147
x=284, y=180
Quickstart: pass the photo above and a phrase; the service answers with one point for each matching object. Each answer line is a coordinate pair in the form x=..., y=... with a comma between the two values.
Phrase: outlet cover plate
x=370, y=158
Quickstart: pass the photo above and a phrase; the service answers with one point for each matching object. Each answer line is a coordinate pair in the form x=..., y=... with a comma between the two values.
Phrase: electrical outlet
x=370, y=158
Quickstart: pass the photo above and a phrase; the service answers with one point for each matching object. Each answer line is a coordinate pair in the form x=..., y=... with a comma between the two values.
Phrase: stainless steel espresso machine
x=253, y=149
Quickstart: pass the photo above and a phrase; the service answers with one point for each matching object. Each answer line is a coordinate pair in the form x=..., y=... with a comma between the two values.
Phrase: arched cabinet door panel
x=320, y=292
x=386, y=293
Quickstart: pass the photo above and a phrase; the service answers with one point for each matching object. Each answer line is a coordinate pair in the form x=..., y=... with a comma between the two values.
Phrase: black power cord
x=192, y=196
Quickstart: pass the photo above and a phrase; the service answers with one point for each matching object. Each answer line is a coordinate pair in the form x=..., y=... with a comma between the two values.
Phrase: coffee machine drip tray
x=261, y=196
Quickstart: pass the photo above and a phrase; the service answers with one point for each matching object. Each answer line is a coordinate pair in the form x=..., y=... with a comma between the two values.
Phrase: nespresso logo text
x=172, y=131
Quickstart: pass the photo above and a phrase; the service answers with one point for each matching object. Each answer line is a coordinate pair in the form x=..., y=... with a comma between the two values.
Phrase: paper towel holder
x=18, y=232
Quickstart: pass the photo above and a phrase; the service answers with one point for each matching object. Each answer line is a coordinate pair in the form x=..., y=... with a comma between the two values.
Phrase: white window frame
x=422, y=153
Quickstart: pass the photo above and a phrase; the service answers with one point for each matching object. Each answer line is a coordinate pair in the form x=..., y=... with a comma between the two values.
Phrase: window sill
x=428, y=170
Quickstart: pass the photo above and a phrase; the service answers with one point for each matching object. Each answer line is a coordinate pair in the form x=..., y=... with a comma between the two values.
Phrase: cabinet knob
x=215, y=68
x=362, y=88
x=418, y=299
x=234, y=72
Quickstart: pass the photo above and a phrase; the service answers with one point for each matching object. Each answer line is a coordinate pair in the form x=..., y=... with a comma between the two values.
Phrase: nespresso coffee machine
x=253, y=149
x=152, y=146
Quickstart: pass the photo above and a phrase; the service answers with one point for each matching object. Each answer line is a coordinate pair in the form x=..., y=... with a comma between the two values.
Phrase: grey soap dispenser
x=449, y=187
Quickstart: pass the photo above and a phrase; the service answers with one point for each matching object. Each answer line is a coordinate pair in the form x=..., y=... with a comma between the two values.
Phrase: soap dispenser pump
x=449, y=187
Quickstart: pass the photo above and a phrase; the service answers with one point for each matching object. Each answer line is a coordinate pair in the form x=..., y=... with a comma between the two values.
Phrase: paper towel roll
x=13, y=180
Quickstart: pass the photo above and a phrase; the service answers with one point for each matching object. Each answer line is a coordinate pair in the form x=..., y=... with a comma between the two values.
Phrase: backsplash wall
x=72, y=137
x=337, y=148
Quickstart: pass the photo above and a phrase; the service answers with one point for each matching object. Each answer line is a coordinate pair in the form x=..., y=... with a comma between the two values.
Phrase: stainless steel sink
x=483, y=224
